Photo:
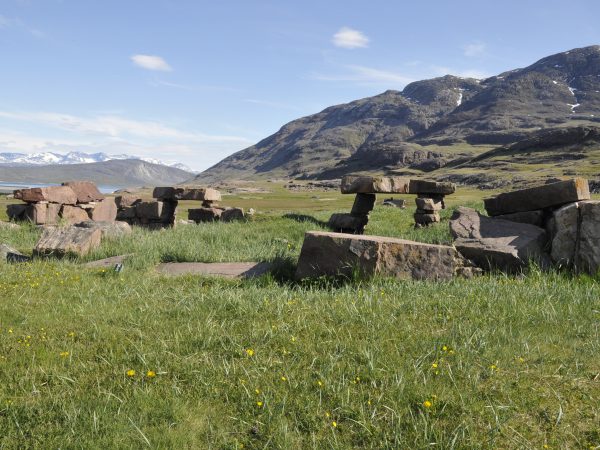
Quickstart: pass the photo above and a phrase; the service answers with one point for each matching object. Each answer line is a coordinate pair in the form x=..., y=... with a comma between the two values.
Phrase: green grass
x=495, y=362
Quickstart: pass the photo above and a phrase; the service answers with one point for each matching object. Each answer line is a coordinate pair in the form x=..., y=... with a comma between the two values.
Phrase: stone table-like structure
x=430, y=199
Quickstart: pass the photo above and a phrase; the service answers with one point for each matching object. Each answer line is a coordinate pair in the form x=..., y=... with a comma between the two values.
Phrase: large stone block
x=363, y=204
x=536, y=218
x=53, y=194
x=160, y=211
x=540, y=197
x=36, y=213
x=186, y=193
x=73, y=214
x=357, y=184
x=205, y=214
x=104, y=211
x=576, y=236
x=343, y=254
x=429, y=204
x=348, y=223
x=497, y=244
x=109, y=229
x=126, y=213
x=16, y=211
x=127, y=200
x=232, y=214
x=86, y=191
x=70, y=240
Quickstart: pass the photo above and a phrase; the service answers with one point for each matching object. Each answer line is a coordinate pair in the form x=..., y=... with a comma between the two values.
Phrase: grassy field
x=97, y=359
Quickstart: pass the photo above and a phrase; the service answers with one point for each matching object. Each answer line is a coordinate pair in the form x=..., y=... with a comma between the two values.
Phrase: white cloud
x=474, y=49
x=367, y=75
x=151, y=62
x=350, y=38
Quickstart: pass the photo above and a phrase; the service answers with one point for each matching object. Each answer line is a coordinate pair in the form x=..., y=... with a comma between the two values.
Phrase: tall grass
x=495, y=362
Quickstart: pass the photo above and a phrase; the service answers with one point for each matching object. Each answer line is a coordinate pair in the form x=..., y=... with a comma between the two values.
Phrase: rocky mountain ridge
x=428, y=125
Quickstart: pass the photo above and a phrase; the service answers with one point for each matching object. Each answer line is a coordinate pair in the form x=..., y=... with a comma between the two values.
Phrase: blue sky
x=194, y=81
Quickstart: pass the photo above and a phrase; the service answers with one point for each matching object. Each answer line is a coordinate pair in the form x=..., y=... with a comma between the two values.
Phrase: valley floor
x=96, y=359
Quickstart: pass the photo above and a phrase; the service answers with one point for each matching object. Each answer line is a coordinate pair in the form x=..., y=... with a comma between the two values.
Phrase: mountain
x=119, y=173
x=44, y=158
x=429, y=125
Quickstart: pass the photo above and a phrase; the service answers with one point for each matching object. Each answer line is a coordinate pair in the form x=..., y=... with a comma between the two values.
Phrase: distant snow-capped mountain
x=46, y=158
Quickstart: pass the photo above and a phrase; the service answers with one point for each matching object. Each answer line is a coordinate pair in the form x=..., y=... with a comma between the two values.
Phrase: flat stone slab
x=86, y=191
x=70, y=240
x=357, y=184
x=107, y=262
x=335, y=254
x=52, y=194
x=224, y=270
x=493, y=243
x=540, y=197
x=186, y=193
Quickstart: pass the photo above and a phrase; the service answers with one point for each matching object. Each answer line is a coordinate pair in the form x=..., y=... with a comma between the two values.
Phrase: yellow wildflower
x=334, y=424
x=259, y=404
x=249, y=352
x=151, y=374
x=130, y=373
x=64, y=354
x=427, y=404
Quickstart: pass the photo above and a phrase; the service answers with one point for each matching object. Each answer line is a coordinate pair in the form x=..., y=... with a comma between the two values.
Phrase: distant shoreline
x=9, y=187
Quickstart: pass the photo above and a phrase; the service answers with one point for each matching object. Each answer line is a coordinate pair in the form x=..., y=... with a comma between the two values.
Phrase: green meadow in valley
x=92, y=358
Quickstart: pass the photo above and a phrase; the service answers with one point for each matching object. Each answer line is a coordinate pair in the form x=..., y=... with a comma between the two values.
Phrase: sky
x=194, y=81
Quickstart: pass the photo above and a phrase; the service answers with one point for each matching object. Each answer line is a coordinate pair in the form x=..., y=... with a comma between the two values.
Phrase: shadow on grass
x=302, y=218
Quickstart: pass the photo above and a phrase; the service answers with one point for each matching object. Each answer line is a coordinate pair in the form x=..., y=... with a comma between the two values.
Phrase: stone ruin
x=554, y=225
x=71, y=203
x=430, y=200
x=162, y=212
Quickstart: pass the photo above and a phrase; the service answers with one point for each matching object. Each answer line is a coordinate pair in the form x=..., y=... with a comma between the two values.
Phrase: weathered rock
x=355, y=184
x=36, y=213
x=53, y=213
x=186, y=193
x=531, y=217
x=205, y=214
x=231, y=214
x=11, y=255
x=429, y=204
x=399, y=203
x=348, y=223
x=363, y=204
x=343, y=254
x=497, y=244
x=86, y=191
x=163, y=211
x=225, y=270
x=52, y=194
x=16, y=211
x=107, y=262
x=127, y=200
x=104, y=211
x=126, y=213
x=73, y=214
x=426, y=217
x=576, y=236
x=540, y=197
x=69, y=240
x=108, y=229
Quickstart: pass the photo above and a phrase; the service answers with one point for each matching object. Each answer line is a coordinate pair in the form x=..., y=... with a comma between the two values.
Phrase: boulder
x=126, y=213
x=36, y=213
x=576, y=236
x=429, y=204
x=546, y=196
x=108, y=229
x=231, y=214
x=497, y=244
x=344, y=254
x=104, y=211
x=358, y=184
x=426, y=217
x=16, y=211
x=157, y=210
x=52, y=194
x=127, y=200
x=186, y=193
x=86, y=191
x=536, y=218
x=73, y=214
x=348, y=223
x=69, y=240
x=205, y=214
x=11, y=255
x=363, y=204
